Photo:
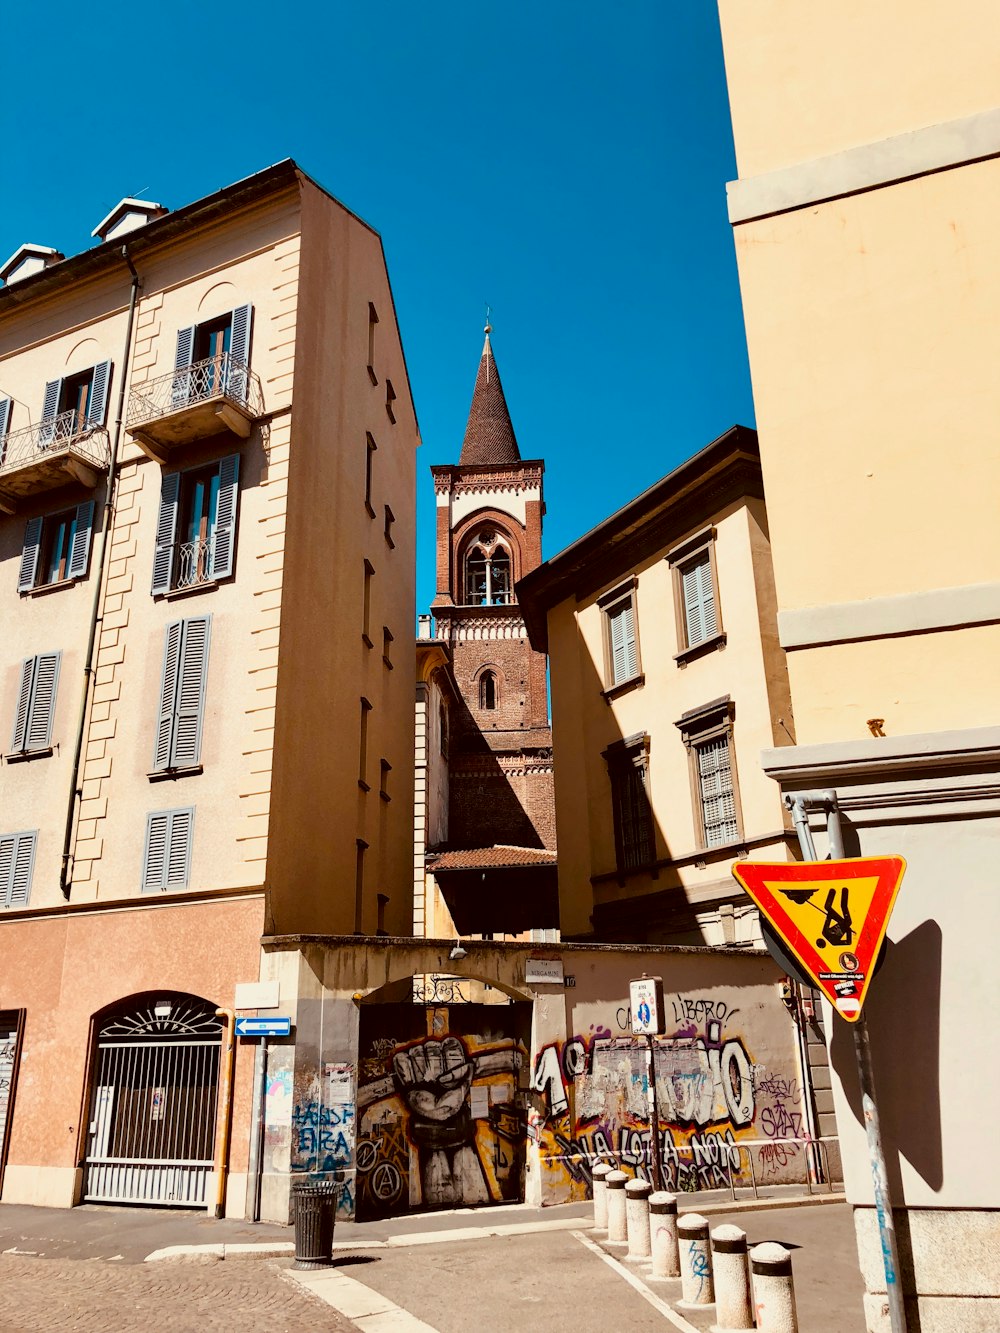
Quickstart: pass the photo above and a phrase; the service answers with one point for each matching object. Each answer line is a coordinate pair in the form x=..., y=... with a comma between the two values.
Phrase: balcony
x=51, y=454
x=192, y=403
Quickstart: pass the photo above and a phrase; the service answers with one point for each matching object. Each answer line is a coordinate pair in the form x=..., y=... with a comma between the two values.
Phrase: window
x=74, y=405
x=36, y=701
x=213, y=358
x=372, y=321
x=56, y=547
x=196, y=528
x=621, y=641
x=390, y=518
x=366, y=708
x=17, y=862
x=383, y=789
x=5, y=410
x=182, y=694
x=488, y=691
x=166, y=858
x=387, y=638
x=359, y=883
x=708, y=734
x=696, y=594
x=487, y=571
x=443, y=730
x=390, y=400
x=369, y=460
x=628, y=770
x=366, y=609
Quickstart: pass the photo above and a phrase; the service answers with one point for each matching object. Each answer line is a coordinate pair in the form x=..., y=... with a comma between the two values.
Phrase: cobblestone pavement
x=100, y=1296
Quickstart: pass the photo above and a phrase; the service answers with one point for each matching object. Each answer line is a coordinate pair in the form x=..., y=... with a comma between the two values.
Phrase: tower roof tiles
x=489, y=435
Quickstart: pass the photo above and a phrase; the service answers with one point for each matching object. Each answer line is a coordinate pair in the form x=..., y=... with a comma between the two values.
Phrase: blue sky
x=566, y=163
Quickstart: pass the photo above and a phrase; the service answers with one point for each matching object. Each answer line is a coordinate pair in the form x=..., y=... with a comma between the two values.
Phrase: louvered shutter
x=189, y=699
x=239, y=352
x=178, y=864
x=624, y=658
x=97, y=406
x=628, y=634
x=700, y=615
x=5, y=406
x=24, y=864
x=19, y=738
x=180, y=390
x=43, y=701
x=28, y=571
x=224, y=537
x=50, y=406
x=79, y=554
x=154, y=856
x=166, y=530
x=168, y=696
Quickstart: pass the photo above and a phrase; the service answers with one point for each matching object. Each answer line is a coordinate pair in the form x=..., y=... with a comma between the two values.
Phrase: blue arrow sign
x=263, y=1027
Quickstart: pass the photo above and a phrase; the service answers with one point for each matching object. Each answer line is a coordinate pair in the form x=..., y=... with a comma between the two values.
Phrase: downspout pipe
x=799, y=804
x=96, y=617
x=225, y=1119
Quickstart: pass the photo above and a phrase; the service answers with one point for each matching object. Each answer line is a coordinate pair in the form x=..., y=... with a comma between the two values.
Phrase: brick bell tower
x=489, y=535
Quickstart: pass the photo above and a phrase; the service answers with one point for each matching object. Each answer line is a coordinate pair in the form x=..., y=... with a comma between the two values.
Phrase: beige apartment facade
x=206, y=557
x=864, y=223
x=666, y=683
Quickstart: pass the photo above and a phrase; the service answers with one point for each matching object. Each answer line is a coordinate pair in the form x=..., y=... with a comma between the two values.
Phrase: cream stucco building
x=864, y=216
x=206, y=566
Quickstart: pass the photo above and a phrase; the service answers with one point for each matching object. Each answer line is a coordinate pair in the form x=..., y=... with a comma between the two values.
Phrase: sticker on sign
x=646, y=1004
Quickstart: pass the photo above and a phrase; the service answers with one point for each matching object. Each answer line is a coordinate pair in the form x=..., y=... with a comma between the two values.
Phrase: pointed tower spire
x=489, y=436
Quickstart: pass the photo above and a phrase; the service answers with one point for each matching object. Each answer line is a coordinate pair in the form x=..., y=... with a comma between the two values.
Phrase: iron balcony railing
x=216, y=377
x=192, y=563
x=66, y=431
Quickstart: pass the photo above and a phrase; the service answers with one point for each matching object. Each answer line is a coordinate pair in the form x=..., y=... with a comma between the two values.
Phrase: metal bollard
x=601, y=1195
x=637, y=1194
x=731, y=1271
x=663, y=1234
x=773, y=1289
x=697, y=1288
x=617, y=1226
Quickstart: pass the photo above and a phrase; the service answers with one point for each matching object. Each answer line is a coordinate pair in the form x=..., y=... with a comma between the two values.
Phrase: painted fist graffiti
x=434, y=1078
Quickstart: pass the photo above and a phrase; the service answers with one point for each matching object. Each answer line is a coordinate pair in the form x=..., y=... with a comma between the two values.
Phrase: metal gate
x=152, y=1118
x=8, y=1077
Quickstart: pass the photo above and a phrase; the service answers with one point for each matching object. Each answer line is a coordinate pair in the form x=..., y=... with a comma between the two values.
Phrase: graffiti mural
x=591, y=1101
x=440, y=1115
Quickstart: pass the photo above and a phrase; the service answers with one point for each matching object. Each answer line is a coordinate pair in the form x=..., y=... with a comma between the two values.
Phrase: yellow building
x=667, y=681
x=206, y=561
x=864, y=216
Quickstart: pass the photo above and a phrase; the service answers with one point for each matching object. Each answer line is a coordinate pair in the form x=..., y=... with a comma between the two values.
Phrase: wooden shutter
x=17, y=861
x=239, y=352
x=224, y=537
x=43, y=701
x=168, y=696
x=189, y=697
x=5, y=405
x=700, y=615
x=166, y=860
x=154, y=856
x=98, y=405
x=180, y=390
x=79, y=554
x=19, y=737
x=166, y=530
x=178, y=865
x=50, y=406
x=624, y=657
x=29, y=555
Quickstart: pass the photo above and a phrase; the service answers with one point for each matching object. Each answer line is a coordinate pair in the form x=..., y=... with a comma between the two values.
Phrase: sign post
x=832, y=916
x=646, y=1006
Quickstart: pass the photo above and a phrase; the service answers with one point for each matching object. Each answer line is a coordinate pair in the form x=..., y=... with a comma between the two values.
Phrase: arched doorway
x=151, y=1136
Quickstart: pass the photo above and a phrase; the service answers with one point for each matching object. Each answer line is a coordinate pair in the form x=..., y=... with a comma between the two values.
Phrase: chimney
x=28, y=259
x=127, y=216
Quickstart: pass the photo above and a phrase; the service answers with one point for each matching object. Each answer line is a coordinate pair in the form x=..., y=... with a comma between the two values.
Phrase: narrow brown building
x=483, y=726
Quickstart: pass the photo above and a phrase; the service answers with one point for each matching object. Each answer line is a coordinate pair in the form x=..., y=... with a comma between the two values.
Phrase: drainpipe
x=100, y=562
x=223, y=1125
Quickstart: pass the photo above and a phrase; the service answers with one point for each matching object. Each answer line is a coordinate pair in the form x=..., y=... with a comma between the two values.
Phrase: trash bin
x=314, y=1210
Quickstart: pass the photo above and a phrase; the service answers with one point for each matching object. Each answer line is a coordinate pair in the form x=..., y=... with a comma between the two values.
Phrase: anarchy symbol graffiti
x=386, y=1182
x=367, y=1153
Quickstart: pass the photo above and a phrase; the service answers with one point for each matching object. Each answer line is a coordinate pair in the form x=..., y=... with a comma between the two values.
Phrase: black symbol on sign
x=837, y=926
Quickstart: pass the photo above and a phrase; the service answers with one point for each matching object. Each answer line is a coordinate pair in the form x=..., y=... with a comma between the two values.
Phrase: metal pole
x=866, y=1076
x=654, y=1120
x=256, y=1164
